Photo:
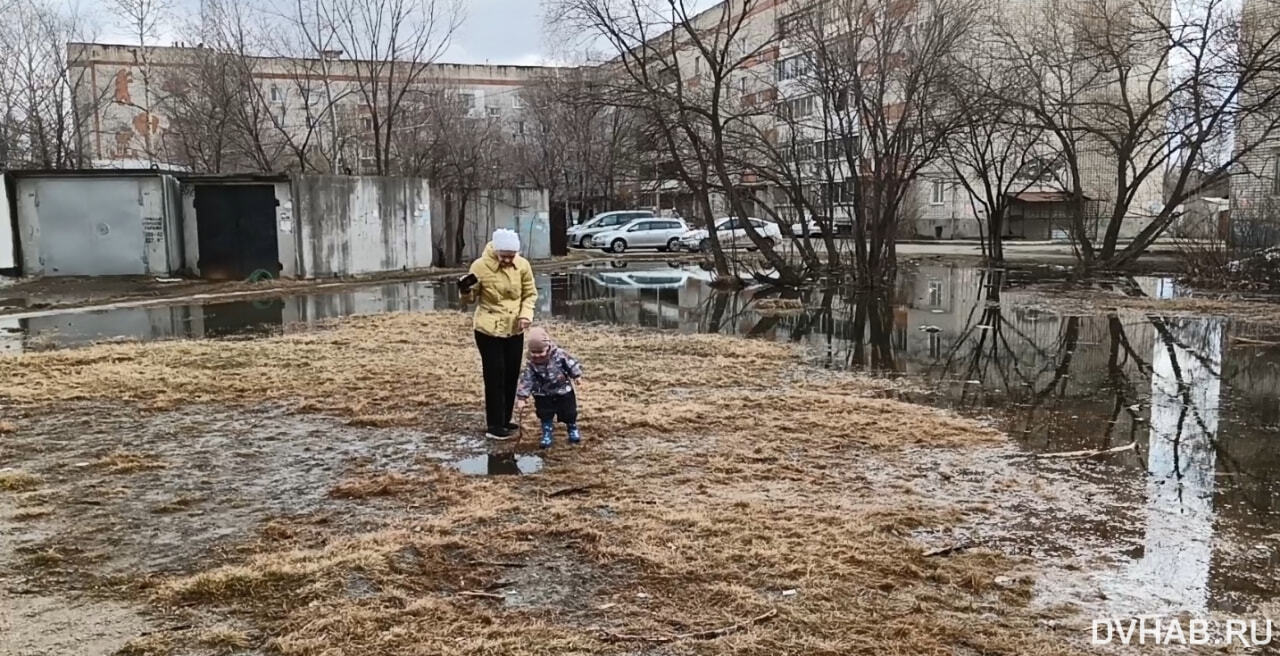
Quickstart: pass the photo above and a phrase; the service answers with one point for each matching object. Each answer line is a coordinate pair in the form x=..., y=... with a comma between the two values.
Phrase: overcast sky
x=493, y=31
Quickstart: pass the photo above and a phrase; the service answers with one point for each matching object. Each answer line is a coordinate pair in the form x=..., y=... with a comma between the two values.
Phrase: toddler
x=549, y=378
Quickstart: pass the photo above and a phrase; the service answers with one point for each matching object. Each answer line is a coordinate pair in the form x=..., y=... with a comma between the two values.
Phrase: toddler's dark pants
x=563, y=407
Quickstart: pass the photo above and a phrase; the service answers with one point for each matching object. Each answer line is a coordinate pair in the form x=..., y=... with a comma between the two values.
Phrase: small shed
x=1040, y=215
x=97, y=222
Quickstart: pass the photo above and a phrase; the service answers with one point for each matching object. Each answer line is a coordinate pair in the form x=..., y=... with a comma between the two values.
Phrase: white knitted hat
x=506, y=240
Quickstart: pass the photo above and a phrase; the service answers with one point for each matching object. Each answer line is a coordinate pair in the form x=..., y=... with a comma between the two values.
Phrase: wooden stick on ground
x=609, y=636
x=577, y=489
x=484, y=595
x=1254, y=342
x=946, y=551
x=1090, y=453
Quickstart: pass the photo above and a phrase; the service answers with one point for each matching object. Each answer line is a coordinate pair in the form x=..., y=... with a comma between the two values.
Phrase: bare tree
x=1135, y=94
x=45, y=102
x=143, y=19
x=684, y=71
x=573, y=142
x=882, y=71
x=462, y=153
x=390, y=43
x=997, y=151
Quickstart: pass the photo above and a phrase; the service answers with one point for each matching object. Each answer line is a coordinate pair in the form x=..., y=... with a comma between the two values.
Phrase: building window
x=791, y=24
x=935, y=345
x=468, y=101
x=792, y=68
x=367, y=123
x=275, y=93
x=801, y=151
x=935, y=293
x=1275, y=175
x=697, y=65
x=517, y=101
x=938, y=195
x=520, y=127
x=493, y=112
x=796, y=107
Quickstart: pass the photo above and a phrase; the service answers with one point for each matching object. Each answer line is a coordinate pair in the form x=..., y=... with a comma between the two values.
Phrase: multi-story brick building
x=134, y=95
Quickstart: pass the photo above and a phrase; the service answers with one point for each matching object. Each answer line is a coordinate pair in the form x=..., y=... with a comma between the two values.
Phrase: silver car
x=581, y=234
x=662, y=234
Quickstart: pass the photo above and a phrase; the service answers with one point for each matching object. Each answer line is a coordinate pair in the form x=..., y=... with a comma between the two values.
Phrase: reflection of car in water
x=651, y=278
x=642, y=279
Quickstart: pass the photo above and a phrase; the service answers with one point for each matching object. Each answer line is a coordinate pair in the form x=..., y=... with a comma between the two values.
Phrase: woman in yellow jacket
x=502, y=282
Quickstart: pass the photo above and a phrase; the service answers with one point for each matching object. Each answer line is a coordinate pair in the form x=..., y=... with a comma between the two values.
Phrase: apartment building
x=133, y=95
x=939, y=206
x=1255, y=183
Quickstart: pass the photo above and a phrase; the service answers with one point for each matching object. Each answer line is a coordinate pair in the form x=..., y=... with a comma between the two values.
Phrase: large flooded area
x=1172, y=420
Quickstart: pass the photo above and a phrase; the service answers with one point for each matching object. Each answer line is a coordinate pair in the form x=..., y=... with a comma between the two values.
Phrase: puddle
x=499, y=464
x=1192, y=509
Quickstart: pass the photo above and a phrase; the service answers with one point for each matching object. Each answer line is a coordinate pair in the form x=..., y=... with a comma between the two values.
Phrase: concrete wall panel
x=355, y=225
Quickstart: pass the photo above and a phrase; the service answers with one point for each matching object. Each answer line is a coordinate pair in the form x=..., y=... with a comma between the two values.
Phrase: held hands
x=523, y=324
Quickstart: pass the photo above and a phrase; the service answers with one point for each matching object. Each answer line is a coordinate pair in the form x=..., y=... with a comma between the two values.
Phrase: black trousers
x=500, y=362
x=564, y=407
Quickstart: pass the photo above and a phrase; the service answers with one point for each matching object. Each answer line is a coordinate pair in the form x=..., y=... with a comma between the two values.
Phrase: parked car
x=731, y=233
x=581, y=234
x=658, y=233
x=814, y=228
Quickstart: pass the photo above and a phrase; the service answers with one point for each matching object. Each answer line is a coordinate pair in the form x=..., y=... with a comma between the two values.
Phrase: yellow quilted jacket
x=505, y=295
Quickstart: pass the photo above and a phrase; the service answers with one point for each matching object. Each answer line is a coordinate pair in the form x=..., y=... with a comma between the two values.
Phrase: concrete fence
x=154, y=223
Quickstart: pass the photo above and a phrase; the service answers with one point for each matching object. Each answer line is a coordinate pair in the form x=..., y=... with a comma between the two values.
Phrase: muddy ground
x=294, y=495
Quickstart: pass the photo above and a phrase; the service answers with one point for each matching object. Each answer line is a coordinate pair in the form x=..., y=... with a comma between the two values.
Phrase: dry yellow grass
x=125, y=462
x=401, y=369
x=7, y=427
x=224, y=638
x=725, y=485
x=1093, y=302
x=16, y=480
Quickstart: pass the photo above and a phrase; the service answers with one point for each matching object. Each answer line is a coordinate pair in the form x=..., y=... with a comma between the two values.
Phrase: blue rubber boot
x=574, y=436
x=548, y=429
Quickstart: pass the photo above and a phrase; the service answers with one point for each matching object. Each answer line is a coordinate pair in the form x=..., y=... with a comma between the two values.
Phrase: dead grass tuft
x=376, y=485
x=156, y=644
x=32, y=513
x=224, y=638
x=125, y=462
x=16, y=480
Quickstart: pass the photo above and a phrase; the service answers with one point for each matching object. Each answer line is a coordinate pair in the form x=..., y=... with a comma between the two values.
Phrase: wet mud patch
x=107, y=493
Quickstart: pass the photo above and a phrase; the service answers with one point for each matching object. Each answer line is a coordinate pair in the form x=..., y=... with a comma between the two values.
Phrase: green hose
x=260, y=275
